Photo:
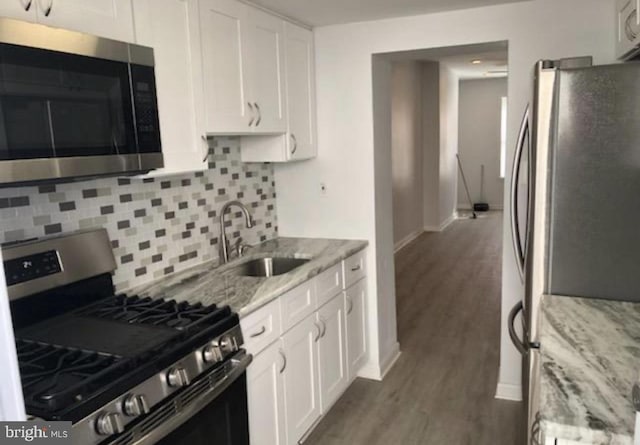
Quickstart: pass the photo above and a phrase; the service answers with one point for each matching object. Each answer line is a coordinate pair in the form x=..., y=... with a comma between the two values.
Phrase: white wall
x=431, y=144
x=448, y=144
x=406, y=150
x=351, y=157
x=479, y=139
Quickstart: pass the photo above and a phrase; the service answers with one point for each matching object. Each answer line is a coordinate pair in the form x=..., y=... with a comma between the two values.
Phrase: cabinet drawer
x=298, y=303
x=354, y=268
x=329, y=284
x=262, y=327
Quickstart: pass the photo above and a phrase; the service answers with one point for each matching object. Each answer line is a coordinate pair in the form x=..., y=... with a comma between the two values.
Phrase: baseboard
x=406, y=240
x=391, y=360
x=377, y=371
x=443, y=225
x=507, y=391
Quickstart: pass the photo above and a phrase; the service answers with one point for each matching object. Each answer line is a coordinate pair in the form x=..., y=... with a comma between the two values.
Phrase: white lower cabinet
x=307, y=365
x=356, y=327
x=302, y=392
x=265, y=387
x=333, y=357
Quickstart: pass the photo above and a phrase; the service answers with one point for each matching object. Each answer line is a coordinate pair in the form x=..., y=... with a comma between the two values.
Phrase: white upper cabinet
x=164, y=25
x=19, y=9
x=112, y=19
x=301, y=93
x=267, y=71
x=300, y=140
x=106, y=18
x=242, y=68
x=223, y=31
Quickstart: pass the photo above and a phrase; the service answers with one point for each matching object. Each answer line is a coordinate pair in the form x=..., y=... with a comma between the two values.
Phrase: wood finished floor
x=441, y=390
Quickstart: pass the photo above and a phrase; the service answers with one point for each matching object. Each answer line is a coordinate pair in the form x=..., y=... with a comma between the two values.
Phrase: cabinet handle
x=356, y=268
x=324, y=328
x=284, y=360
x=631, y=35
x=47, y=11
x=27, y=7
x=319, y=332
x=252, y=113
x=259, y=113
x=350, y=308
x=206, y=156
x=259, y=333
x=295, y=143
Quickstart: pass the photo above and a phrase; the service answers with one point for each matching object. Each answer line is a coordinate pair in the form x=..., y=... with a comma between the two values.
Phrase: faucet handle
x=239, y=247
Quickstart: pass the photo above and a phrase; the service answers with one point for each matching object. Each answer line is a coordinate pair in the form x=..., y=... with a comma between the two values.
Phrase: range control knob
x=135, y=405
x=211, y=354
x=109, y=423
x=178, y=377
x=227, y=344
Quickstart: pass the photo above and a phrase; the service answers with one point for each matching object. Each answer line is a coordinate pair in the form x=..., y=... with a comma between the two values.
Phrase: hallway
x=441, y=390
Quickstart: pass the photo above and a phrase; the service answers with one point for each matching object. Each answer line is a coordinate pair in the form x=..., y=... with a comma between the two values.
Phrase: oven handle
x=240, y=363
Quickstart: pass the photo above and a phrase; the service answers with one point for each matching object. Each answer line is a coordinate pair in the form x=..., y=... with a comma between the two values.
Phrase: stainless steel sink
x=267, y=267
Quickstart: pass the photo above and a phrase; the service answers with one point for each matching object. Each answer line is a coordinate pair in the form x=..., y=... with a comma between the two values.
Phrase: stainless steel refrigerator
x=575, y=197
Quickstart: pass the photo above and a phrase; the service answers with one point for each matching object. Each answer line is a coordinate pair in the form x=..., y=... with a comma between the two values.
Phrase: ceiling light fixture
x=476, y=61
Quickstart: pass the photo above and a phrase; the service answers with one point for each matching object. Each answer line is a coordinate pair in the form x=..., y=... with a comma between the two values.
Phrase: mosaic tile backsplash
x=156, y=225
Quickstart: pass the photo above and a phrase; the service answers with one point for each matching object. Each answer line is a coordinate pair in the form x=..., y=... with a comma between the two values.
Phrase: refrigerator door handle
x=512, y=330
x=515, y=176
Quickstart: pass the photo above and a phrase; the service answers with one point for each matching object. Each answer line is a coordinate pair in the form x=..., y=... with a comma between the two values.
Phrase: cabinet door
x=19, y=9
x=301, y=93
x=164, y=25
x=225, y=55
x=266, y=65
x=355, y=307
x=265, y=391
x=106, y=18
x=301, y=378
x=333, y=358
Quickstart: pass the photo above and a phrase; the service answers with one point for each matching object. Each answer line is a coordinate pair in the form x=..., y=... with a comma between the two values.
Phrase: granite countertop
x=590, y=360
x=209, y=284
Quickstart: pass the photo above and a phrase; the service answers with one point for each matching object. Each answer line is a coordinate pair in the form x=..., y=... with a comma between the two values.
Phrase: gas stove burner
x=73, y=363
x=54, y=377
x=108, y=362
x=181, y=316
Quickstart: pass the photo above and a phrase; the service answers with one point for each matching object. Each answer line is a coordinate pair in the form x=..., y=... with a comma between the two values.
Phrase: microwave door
x=76, y=106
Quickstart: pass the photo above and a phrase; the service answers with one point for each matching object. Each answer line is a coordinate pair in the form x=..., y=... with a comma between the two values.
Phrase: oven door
x=212, y=409
x=222, y=421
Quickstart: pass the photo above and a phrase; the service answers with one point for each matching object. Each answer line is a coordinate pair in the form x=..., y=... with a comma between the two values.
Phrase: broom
x=464, y=181
x=481, y=206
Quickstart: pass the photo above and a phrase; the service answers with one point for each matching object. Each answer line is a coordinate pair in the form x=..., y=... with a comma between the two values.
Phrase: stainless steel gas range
x=123, y=369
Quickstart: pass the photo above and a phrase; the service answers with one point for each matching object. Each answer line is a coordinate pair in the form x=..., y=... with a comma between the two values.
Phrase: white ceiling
x=329, y=12
x=493, y=57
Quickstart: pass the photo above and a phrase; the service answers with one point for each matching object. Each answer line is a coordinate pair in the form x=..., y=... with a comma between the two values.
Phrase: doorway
x=447, y=269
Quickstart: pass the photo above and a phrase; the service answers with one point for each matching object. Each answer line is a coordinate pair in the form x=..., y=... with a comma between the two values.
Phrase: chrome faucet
x=224, y=244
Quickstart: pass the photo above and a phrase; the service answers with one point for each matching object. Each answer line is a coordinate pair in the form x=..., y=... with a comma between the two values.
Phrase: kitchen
x=324, y=197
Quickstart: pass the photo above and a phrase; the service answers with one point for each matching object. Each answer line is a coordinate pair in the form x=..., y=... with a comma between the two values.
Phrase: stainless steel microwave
x=74, y=105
